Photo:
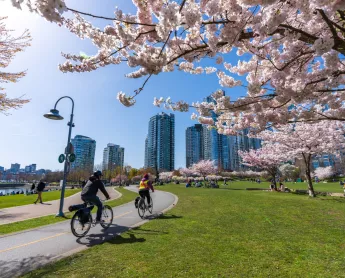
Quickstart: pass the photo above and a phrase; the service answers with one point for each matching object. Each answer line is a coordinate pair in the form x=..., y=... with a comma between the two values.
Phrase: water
x=8, y=190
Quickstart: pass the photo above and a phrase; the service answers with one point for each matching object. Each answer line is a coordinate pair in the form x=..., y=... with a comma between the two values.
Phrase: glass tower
x=113, y=156
x=160, y=143
x=84, y=149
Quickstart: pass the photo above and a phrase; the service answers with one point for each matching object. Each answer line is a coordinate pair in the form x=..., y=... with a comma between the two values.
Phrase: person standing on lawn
x=39, y=189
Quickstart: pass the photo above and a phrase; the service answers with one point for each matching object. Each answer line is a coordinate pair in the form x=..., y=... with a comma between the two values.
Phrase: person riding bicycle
x=144, y=188
x=89, y=193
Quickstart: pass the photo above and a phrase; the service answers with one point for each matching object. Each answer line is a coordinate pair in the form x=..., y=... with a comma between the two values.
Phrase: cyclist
x=89, y=193
x=144, y=188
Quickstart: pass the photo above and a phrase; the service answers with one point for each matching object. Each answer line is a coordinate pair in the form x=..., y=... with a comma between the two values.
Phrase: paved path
x=20, y=213
x=25, y=251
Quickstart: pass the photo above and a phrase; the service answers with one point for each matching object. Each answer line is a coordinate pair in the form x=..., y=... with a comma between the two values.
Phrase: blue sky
x=27, y=137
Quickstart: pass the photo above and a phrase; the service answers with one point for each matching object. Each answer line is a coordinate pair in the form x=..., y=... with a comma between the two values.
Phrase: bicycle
x=82, y=219
x=143, y=206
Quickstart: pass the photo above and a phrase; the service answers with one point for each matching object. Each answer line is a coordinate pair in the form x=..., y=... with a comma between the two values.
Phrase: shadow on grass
x=334, y=199
x=163, y=216
x=15, y=268
x=159, y=216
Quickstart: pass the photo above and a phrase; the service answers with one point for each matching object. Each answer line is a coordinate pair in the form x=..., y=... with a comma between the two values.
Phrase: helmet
x=146, y=176
x=97, y=174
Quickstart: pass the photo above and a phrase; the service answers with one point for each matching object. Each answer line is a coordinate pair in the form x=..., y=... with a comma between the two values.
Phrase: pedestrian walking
x=39, y=189
x=33, y=186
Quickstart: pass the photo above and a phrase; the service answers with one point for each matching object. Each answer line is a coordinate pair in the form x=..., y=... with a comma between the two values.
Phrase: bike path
x=28, y=250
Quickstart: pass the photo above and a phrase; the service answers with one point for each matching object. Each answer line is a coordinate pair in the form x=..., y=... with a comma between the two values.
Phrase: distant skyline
x=27, y=137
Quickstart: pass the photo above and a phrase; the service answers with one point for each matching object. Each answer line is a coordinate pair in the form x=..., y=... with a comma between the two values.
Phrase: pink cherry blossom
x=204, y=168
x=291, y=53
x=304, y=141
x=324, y=172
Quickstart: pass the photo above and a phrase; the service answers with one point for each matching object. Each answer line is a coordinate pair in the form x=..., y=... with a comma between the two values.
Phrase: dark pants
x=96, y=201
x=145, y=192
x=39, y=197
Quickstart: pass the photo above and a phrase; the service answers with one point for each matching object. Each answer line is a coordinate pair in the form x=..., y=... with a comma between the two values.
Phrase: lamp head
x=53, y=115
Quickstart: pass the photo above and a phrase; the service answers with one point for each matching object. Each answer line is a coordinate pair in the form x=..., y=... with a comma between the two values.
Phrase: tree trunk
x=310, y=184
x=273, y=173
x=307, y=159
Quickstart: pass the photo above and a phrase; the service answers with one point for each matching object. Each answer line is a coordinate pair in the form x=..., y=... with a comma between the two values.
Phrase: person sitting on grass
x=272, y=187
x=282, y=187
x=189, y=183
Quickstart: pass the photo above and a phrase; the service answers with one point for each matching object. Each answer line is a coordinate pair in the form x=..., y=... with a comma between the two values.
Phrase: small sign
x=61, y=158
x=69, y=149
x=71, y=157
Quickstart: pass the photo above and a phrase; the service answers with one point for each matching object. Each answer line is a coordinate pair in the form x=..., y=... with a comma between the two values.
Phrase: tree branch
x=111, y=18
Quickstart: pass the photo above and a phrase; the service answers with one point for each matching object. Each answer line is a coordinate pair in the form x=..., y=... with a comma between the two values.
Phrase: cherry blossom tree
x=186, y=172
x=165, y=176
x=136, y=178
x=121, y=179
x=295, y=48
x=289, y=171
x=9, y=47
x=303, y=141
x=204, y=168
x=268, y=158
x=324, y=172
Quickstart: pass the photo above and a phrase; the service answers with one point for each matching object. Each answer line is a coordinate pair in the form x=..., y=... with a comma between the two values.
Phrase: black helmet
x=97, y=174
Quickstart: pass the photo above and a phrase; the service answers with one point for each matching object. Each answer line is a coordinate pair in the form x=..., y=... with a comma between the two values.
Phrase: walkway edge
x=43, y=226
x=159, y=214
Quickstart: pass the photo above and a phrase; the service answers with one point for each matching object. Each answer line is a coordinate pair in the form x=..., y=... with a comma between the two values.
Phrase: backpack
x=136, y=202
x=84, y=214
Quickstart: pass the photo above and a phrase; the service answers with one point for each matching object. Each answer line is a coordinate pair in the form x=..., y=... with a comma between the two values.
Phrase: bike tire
x=108, y=215
x=141, y=208
x=85, y=227
x=151, y=208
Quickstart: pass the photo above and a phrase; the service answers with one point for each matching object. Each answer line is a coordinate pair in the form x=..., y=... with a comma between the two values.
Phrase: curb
x=158, y=214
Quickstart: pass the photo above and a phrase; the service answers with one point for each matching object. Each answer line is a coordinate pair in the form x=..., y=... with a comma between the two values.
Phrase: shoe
x=99, y=222
x=35, y=203
x=41, y=202
x=149, y=206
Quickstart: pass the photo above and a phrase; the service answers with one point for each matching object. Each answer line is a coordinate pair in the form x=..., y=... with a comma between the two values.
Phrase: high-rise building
x=84, y=149
x=241, y=142
x=113, y=156
x=197, y=144
x=146, y=162
x=160, y=143
x=223, y=150
x=2, y=169
x=219, y=150
x=15, y=168
x=30, y=169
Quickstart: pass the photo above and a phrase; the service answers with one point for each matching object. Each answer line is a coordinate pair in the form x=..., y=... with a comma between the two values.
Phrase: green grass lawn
x=223, y=233
x=324, y=187
x=21, y=199
x=126, y=197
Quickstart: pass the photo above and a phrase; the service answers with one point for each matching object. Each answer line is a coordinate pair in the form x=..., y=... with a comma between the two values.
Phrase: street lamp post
x=54, y=115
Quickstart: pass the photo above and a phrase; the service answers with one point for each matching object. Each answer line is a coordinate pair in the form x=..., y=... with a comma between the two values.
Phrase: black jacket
x=41, y=186
x=91, y=188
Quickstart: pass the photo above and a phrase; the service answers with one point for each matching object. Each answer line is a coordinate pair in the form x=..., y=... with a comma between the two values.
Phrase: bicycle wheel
x=107, y=217
x=80, y=229
x=150, y=208
x=141, y=208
